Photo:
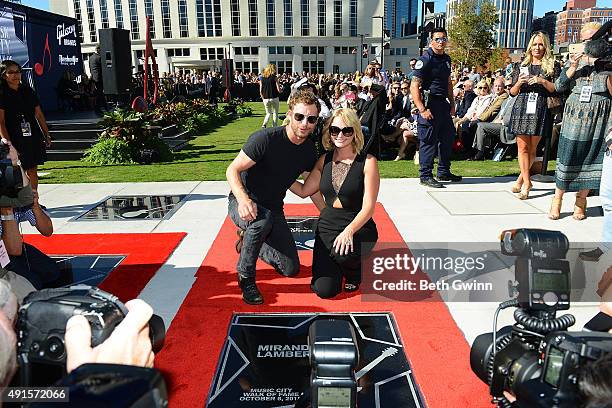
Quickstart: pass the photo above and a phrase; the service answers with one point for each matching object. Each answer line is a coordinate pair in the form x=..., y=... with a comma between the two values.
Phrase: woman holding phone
x=586, y=121
x=532, y=84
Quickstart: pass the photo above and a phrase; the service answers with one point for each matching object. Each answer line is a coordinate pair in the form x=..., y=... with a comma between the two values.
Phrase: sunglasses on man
x=441, y=40
x=300, y=118
x=347, y=131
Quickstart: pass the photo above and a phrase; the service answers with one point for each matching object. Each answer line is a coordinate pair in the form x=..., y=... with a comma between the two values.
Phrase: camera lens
x=157, y=333
x=55, y=348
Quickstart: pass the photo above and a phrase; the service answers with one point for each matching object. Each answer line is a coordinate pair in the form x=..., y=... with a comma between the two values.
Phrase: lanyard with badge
x=26, y=129
x=532, y=103
x=532, y=97
x=586, y=92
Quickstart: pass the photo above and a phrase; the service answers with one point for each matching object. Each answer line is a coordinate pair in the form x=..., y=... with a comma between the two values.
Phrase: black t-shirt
x=278, y=163
x=268, y=87
x=16, y=105
x=434, y=70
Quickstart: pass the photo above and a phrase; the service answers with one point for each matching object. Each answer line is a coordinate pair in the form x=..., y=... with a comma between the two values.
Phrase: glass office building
x=401, y=17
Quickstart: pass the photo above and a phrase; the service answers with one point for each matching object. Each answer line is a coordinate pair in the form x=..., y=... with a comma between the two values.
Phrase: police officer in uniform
x=435, y=126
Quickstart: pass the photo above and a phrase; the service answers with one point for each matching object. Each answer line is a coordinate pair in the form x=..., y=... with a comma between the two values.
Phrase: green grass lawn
x=206, y=157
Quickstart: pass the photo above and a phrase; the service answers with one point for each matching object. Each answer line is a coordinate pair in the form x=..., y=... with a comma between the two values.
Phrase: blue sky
x=541, y=6
x=39, y=4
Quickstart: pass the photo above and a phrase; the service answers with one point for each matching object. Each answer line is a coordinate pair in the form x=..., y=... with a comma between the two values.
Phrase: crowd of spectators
x=493, y=109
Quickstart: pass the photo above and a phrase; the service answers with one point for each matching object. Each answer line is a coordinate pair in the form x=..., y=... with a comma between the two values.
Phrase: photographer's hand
x=509, y=396
x=129, y=343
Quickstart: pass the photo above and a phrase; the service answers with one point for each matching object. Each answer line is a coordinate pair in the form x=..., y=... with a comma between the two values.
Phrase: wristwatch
x=8, y=217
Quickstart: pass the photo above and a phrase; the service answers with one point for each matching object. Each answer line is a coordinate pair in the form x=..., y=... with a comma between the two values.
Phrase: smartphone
x=524, y=71
x=576, y=48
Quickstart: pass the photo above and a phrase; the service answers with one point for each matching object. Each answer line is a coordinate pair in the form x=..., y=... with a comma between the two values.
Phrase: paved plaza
x=476, y=210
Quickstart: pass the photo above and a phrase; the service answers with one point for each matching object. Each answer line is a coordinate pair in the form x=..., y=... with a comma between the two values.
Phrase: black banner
x=46, y=45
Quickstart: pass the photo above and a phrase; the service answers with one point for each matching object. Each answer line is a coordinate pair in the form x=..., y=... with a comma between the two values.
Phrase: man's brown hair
x=306, y=97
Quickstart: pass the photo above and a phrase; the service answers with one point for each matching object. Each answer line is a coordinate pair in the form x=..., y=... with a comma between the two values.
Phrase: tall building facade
x=514, y=28
x=436, y=20
x=515, y=19
x=573, y=17
x=569, y=23
x=401, y=17
x=580, y=4
x=600, y=15
x=547, y=24
x=296, y=35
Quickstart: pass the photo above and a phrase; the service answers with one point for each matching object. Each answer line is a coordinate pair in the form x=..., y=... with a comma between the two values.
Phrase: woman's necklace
x=339, y=157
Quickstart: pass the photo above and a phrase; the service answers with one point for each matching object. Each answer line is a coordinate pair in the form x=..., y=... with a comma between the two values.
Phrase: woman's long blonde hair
x=269, y=70
x=548, y=60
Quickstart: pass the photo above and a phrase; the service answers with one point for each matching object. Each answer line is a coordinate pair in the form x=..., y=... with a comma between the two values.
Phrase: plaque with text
x=265, y=362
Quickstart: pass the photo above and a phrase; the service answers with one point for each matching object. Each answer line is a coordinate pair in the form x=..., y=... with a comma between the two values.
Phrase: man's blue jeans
x=267, y=237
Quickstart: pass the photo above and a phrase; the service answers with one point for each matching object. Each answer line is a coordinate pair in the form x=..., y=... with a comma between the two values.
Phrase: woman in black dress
x=533, y=81
x=349, y=180
x=270, y=90
x=22, y=122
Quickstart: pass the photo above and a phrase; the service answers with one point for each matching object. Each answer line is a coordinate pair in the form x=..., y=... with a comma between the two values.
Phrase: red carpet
x=434, y=344
x=145, y=254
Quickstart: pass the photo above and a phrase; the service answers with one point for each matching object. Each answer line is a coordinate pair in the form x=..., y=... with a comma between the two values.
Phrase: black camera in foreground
x=11, y=176
x=536, y=360
x=41, y=325
x=333, y=358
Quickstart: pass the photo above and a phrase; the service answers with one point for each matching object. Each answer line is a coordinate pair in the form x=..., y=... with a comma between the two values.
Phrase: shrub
x=162, y=149
x=109, y=151
x=244, y=110
x=129, y=126
x=126, y=134
x=198, y=122
x=239, y=107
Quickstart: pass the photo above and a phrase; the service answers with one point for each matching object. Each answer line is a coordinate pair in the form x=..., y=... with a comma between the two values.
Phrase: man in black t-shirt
x=268, y=164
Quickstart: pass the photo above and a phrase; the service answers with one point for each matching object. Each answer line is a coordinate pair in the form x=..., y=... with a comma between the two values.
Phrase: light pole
x=227, y=96
x=361, y=51
x=382, y=39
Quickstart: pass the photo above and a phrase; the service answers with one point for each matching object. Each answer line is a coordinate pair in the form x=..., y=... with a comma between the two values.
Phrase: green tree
x=471, y=31
x=497, y=59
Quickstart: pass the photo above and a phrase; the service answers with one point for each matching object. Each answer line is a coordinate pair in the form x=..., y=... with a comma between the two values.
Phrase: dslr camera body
x=41, y=325
x=565, y=353
x=536, y=360
x=12, y=178
x=333, y=358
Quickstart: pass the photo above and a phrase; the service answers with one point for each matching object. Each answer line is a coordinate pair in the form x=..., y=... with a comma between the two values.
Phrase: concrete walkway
x=476, y=210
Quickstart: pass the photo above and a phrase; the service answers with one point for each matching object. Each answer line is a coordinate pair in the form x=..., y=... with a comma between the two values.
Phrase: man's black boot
x=450, y=177
x=591, y=256
x=431, y=182
x=250, y=292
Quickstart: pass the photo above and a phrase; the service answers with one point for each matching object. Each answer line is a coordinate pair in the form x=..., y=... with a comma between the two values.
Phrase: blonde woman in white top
x=482, y=101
